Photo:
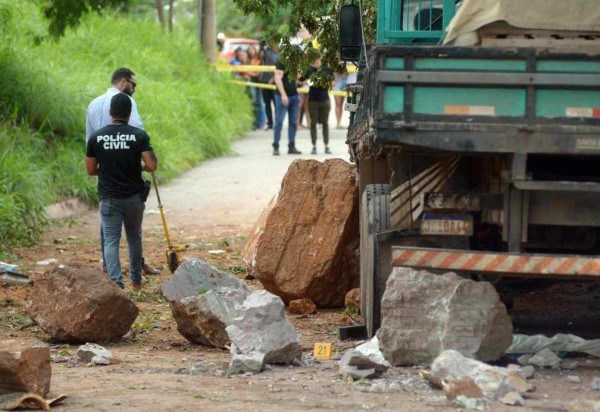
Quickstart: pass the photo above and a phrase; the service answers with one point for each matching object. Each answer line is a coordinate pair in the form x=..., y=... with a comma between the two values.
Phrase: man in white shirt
x=98, y=115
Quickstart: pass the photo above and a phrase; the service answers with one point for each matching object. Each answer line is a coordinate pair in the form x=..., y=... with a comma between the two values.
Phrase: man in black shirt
x=114, y=153
x=286, y=101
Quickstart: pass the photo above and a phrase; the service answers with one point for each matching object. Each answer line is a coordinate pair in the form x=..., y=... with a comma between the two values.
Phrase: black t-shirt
x=316, y=94
x=288, y=86
x=118, y=150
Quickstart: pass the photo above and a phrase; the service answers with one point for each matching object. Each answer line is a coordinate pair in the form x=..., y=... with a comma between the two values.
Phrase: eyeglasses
x=134, y=84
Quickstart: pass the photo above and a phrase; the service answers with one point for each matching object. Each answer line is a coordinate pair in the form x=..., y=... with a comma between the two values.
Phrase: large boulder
x=24, y=366
x=77, y=304
x=306, y=245
x=204, y=301
x=262, y=327
x=424, y=314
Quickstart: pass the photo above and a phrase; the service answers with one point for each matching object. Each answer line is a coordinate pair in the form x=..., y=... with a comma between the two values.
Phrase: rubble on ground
x=474, y=404
x=352, y=299
x=364, y=361
x=424, y=314
x=262, y=327
x=25, y=366
x=77, y=304
x=93, y=353
x=493, y=382
x=250, y=363
x=302, y=307
x=306, y=246
x=544, y=359
x=203, y=301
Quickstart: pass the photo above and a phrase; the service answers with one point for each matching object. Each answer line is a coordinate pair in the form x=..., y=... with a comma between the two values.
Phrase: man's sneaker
x=275, y=152
x=293, y=150
x=314, y=150
x=137, y=286
x=327, y=151
x=149, y=270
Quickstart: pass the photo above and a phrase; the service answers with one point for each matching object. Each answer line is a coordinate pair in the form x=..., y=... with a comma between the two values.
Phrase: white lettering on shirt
x=116, y=142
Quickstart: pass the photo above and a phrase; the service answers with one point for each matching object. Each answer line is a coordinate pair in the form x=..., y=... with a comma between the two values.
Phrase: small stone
x=545, y=359
x=574, y=378
x=352, y=300
x=59, y=358
x=526, y=372
x=476, y=404
x=513, y=399
x=524, y=359
x=303, y=306
x=596, y=383
x=96, y=354
x=569, y=364
x=243, y=364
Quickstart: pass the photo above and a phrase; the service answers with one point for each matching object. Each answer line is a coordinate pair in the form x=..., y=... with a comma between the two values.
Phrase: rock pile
x=305, y=245
x=77, y=304
x=203, y=301
x=425, y=314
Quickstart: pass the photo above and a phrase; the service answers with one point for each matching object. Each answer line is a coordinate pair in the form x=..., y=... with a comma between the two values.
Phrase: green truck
x=475, y=129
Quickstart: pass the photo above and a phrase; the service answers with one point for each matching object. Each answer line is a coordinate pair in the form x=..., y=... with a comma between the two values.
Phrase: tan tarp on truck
x=554, y=15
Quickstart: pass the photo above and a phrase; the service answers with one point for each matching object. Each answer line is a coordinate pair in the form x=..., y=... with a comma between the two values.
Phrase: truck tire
x=374, y=218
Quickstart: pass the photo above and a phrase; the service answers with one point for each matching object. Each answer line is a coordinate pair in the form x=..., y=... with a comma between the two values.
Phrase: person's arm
x=150, y=161
x=88, y=126
x=91, y=164
x=135, y=120
x=279, y=84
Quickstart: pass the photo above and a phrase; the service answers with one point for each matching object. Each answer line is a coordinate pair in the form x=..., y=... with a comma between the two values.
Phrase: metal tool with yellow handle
x=171, y=252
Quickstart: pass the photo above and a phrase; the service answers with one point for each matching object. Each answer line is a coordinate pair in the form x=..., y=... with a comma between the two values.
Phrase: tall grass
x=190, y=112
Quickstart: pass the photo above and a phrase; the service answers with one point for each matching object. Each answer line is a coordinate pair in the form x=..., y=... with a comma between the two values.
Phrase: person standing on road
x=270, y=58
x=286, y=101
x=98, y=115
x=319, y=107
x=114, y=154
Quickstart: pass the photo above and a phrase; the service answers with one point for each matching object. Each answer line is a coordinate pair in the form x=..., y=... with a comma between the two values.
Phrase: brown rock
x=302, y=307
x=352, y=300
x=77, y=304
x=308, y=246
x=424, y=314
x=24, y=366
x=464, y=386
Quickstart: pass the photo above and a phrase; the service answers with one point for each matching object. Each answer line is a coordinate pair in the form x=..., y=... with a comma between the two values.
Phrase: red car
x=230, y=44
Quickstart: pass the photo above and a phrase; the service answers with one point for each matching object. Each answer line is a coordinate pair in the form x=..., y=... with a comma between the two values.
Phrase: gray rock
x=96, y=354
x=596, y=383
x=364, y=361
x=574, y=378
x=524, y=359
x=204, y=301
x=195, y=277
x=261, y=326
x=25, y=366
x=251, y=363
x=513, y=399
x=493, y=381
x=424, y=314
x=59, y=358
x=475, y=404
x=569, y=364
x=526, y=372
x=544, y=359
x=78, y=304
x=202, y=319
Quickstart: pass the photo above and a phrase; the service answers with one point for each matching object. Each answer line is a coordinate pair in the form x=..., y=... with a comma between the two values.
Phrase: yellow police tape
x=272, y=87
x=255, y=68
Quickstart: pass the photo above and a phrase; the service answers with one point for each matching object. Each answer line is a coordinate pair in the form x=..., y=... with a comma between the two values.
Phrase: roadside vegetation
x=190, y=111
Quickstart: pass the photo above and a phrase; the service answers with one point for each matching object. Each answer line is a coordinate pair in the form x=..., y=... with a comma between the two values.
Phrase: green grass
x=190, y=112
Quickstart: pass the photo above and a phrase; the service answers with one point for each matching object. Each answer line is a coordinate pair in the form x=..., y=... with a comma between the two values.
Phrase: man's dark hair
x=120, y=106
x=122, y=73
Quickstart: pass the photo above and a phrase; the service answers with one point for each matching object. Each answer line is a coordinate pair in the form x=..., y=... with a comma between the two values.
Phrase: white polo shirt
x=98, y=113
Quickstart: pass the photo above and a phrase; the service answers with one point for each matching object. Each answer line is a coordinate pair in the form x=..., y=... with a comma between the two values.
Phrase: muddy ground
x=212, y=208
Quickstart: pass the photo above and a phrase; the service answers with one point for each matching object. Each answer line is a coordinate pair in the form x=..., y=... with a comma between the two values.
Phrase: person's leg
x=133, y=213
x=112, y=220
x=280, y=111
x=324, y=114
x=102, y=248
x=339, y=107
x=262, y=115
x=268, y=98
x=292, y=110
x=313, y=109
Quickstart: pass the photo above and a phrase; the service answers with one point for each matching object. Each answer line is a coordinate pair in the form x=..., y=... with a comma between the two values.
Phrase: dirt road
x=155, y=369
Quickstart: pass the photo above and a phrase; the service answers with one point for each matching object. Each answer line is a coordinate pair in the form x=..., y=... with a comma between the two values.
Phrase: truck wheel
x=374, y=218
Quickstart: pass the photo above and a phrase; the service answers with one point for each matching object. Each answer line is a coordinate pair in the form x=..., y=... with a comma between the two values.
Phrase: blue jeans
x=116, y=213
x=259, y=107
x=280, y=112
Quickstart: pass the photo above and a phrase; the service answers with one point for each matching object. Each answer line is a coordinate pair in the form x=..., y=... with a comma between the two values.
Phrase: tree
x=320, y=19
x=68, y=13
x=160, y=12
